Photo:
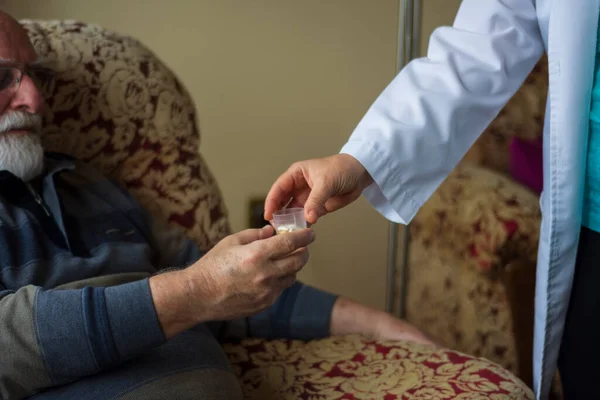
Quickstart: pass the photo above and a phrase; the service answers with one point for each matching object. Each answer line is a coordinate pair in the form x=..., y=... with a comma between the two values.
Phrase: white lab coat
x=433, y=111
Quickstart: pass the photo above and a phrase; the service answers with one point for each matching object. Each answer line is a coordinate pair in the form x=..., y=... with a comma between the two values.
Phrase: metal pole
x=392, y=244
x=409, y=25
x=403, y=270
x=416, y=30
x=404, y=276
x=391, y=265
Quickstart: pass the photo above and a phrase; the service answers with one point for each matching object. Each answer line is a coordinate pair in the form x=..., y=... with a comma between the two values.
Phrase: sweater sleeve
x=53, y=337
x=173, y=248
x=302, y=312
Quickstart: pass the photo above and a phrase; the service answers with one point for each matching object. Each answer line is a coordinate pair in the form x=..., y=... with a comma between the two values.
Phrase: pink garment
x=525, y=158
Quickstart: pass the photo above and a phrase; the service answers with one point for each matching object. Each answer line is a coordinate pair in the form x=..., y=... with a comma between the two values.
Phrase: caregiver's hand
x=321, y=186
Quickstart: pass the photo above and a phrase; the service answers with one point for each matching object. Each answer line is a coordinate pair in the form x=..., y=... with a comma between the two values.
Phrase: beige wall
x=274, y=81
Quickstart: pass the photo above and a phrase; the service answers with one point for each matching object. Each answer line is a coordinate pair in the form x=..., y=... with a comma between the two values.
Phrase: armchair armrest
x=479, y=234
x=484, y=218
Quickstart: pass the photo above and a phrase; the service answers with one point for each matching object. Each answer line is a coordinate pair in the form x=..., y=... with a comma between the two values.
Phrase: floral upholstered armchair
x=116, y=106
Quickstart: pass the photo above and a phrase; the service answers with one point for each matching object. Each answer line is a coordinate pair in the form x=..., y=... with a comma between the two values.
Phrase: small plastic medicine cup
x=289, y=219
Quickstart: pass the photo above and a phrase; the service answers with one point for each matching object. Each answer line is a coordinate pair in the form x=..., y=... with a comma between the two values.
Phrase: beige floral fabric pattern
x=115, y=105
x=476, y=224
x=522, y=117
x=353, y=368
x=482, y=217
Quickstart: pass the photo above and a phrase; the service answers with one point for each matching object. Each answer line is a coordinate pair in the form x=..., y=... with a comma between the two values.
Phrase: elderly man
x=98, y=301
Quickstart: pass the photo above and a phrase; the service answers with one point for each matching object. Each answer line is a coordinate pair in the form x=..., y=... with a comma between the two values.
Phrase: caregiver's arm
x=424, y=122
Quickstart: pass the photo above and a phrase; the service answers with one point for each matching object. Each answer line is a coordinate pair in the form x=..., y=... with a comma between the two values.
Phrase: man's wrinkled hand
x=245, y=273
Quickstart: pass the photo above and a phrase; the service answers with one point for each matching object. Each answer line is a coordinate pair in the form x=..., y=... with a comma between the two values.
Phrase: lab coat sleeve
x=424, y=122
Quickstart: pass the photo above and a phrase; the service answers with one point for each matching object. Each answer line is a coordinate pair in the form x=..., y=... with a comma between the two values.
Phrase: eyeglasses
x=11, y=77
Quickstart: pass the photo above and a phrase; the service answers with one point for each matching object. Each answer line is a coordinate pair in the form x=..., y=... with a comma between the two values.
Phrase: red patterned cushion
x=354, y=368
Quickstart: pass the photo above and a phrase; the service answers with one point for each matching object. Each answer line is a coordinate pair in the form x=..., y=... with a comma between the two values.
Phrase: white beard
x=22, y=155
